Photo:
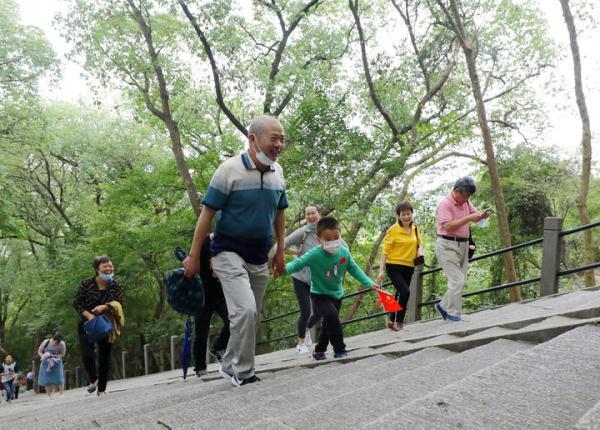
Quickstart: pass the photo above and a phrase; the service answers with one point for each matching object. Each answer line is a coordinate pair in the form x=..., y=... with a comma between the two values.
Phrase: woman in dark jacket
x=90, y=301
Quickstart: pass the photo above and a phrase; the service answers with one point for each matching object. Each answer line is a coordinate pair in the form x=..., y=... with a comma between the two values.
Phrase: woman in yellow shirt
x=401, y=245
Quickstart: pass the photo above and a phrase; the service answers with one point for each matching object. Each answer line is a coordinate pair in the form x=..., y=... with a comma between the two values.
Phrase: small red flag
x=388, y=301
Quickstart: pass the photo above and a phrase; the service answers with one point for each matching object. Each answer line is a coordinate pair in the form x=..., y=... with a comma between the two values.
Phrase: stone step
x=303, y=393
x=550, y=386
x=232, y=401
x=590, y=421
x=83, y=411
x=366, y=404
x=122, y=404
x=150, y=403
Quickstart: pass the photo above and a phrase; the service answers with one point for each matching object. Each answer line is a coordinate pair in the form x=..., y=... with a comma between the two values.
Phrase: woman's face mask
x=106, y=271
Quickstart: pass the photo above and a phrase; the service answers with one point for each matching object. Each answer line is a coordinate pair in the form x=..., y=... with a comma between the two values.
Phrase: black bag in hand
x=185, y=295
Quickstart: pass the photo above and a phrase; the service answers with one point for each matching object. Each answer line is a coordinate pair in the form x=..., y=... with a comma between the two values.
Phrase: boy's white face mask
x=332, y=246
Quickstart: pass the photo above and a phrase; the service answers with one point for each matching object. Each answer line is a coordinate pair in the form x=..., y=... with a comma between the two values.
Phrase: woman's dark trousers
x=88, y=355
x=302, y=290
x=400, y=276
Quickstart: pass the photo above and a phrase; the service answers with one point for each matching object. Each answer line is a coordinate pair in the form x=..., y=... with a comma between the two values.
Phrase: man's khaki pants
x=244, y=286
x=454, y=261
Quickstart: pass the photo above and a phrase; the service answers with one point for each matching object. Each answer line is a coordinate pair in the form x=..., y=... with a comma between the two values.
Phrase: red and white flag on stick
x=388, y=301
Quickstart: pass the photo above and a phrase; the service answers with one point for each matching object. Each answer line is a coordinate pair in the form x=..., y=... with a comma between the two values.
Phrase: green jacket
x=327, y=271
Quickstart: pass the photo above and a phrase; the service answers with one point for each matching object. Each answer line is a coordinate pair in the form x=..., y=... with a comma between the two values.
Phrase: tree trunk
x=159, y=309
x=505, y=240
x=165, y=114
x=586, y=144
x=182, y=167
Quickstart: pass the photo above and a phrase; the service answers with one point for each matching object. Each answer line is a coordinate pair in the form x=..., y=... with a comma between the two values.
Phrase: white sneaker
x=225, y=375
x=301, y=348
x=307, y=339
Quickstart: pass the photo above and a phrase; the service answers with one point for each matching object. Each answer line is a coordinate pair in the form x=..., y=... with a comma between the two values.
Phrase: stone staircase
x=525, y=365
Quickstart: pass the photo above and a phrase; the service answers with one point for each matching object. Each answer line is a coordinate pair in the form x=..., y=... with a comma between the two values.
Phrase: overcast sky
x=564, y=134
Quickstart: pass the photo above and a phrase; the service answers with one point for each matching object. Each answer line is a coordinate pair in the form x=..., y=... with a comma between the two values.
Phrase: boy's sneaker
x=307, y=339
x=239, y=382
x=217, y=355
x=441, y=311
x=225, y=375
x=341, y=354
x=301, y=348
x=454, y=318
x=319, y=356
x=201, y=373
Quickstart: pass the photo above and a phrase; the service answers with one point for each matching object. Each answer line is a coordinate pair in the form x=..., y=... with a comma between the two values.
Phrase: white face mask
x=332, y=246
x=262, y=158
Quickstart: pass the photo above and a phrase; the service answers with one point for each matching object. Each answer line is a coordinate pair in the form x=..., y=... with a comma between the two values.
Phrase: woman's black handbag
x=419, y=259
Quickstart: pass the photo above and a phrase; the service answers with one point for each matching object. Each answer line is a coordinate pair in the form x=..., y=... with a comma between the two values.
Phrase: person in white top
x=9, y=371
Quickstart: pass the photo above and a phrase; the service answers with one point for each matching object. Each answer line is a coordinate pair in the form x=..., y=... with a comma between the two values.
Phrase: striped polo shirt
x=246, y=201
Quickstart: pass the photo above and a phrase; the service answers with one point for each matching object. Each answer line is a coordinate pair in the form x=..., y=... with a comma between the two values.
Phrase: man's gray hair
x=258, y=124
x=466, y=184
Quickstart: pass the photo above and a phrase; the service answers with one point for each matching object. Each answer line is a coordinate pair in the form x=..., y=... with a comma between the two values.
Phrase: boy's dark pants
x=328, y=308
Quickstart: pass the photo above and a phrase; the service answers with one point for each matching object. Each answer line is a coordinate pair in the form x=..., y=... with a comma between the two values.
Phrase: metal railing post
x=77, y=370
x=123, y=362
x=147, y=359
x=413, y=313
x=173, y=344
x=66, y=375
x=550, y=256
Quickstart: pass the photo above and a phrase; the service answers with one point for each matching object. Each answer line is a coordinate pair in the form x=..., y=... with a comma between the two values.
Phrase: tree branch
x=365, y=61
x=215, y=70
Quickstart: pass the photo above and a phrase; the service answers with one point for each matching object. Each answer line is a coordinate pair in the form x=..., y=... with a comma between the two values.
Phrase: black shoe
x=239, y=382
x=201, y=373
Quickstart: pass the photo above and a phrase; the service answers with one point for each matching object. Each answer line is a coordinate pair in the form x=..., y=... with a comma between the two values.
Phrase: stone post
x=147, y=359
x=413, y=312
x=173, y=351
x=123, y=362
x=550, y=256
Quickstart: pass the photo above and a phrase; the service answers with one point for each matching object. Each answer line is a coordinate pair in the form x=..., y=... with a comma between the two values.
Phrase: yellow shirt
x=399, y=246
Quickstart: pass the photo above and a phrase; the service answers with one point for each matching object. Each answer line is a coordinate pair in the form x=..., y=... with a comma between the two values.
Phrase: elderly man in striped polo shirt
x=247, y=195
x=454, y=214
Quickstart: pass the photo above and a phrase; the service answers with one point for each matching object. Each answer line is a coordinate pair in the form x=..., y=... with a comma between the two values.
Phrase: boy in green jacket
x=328, y=263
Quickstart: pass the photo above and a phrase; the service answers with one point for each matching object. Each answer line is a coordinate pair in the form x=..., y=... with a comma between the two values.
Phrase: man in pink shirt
x=454, y=214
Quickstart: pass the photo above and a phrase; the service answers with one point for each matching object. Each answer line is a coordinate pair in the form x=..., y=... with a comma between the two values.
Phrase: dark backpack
x=184, y=295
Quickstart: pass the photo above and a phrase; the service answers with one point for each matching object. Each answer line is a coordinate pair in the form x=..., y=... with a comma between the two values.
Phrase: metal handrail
x=471, y=293
x=492, y=254
x=579, y=269
x=428, y=303
x=355, y=293
x=580, y=228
